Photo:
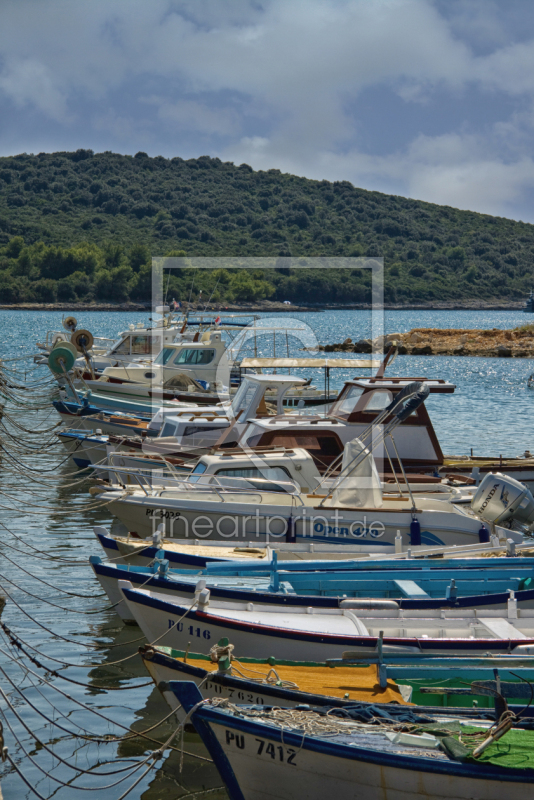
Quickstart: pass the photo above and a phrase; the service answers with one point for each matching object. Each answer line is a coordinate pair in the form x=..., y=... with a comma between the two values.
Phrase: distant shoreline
x=268, y=306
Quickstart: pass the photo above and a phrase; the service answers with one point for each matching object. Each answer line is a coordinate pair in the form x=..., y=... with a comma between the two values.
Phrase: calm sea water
x=46, y=504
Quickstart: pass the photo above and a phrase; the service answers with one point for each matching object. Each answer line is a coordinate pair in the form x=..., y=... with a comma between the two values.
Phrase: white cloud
x=463, y=171
x=29, y=82
x=281, y=82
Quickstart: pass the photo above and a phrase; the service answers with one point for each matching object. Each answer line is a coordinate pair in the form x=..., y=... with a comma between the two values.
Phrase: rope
x=64, y=639
x=89, y=738
x=61, y=560
x=109, y=646
x=56, y=588
x=63, y=761
x=69, y=512
x=55, y=605
x=29, y=448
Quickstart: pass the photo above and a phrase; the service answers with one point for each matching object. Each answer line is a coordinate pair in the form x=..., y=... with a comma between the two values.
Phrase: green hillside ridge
x=83, y=226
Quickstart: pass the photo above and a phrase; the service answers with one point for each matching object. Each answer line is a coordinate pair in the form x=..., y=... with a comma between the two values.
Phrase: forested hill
x=82, y=226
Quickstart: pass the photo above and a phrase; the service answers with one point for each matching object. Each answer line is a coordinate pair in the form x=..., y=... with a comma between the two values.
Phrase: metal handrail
x=50, y=335
x=214, y=486
x=168, y=465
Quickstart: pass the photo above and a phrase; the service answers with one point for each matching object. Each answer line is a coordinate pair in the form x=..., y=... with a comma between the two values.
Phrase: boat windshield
x=197, y=472
x=347, y=402
x=378, y=401
x=243, y=396
x=263, y=478
x=268, y=473
x=122, y=348
x=144, y=345
x=195, y=356
x=164, y=356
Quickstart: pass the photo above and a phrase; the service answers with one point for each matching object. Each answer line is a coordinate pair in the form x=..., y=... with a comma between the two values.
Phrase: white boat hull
x=317, y=636
x=266, y=520
x=268, y=765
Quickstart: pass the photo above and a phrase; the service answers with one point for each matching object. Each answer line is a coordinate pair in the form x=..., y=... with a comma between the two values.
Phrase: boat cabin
x=258, y=396
x=353, y=413
x=199, y=359
x=271, y=470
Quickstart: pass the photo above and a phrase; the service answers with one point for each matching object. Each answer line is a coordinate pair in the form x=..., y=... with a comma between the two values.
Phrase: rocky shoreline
x=264, y=306
x=147, y=307
x=487, y=343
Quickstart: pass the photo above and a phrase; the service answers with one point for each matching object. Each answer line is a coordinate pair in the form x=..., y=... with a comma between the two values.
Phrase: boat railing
x=211, y=483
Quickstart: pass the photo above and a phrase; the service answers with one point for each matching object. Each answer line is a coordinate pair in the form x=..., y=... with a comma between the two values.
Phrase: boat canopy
x=319, y=363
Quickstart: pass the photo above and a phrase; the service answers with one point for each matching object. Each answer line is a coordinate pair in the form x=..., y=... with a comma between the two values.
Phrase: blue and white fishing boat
x=496, y=591
x=317, y=634
x=251, y=557
x=280, y=754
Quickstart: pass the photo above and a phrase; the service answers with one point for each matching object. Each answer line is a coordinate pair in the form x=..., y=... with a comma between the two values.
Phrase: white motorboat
x=353, y=508
x=161, y=435
x=276, y=510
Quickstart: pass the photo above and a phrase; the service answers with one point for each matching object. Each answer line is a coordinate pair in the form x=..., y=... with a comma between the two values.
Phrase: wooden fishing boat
x=252, y=557
x=279, y=754
x=497, y=591
x=317, y=634
x=290, y=683
x=268, y=681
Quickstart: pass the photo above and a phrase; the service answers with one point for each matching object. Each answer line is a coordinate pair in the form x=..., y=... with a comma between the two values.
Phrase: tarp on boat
x=358, y=486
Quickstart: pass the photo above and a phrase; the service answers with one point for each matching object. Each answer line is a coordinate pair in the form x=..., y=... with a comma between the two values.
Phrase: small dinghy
x=272, y=753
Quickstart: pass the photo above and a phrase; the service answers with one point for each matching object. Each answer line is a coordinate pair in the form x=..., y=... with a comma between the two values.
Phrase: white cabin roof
x=271, y=380
x=285, y=363
x=434, y=385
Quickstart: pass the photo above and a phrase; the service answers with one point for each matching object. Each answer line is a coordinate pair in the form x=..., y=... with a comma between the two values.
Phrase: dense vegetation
x=80, y=226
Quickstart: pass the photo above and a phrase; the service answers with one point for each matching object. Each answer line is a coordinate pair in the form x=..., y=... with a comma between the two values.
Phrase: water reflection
x=46, y=504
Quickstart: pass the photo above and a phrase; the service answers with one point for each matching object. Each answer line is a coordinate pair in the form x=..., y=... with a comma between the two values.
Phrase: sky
x=429, y=99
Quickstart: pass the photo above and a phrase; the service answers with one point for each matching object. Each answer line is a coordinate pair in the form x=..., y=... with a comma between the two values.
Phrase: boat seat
x=501, y=628
x=410, y=589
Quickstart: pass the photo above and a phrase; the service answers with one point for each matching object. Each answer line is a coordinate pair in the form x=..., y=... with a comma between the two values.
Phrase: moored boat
x=273, y=681
x=317, y=634
x=279, y=754
x=392, y=591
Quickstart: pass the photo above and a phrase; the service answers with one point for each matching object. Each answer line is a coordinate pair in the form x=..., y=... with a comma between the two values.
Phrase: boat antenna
x=213, y=292
x=191, y=289
x=167, y=292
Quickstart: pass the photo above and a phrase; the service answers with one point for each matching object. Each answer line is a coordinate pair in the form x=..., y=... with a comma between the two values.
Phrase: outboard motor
x=501, y=499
